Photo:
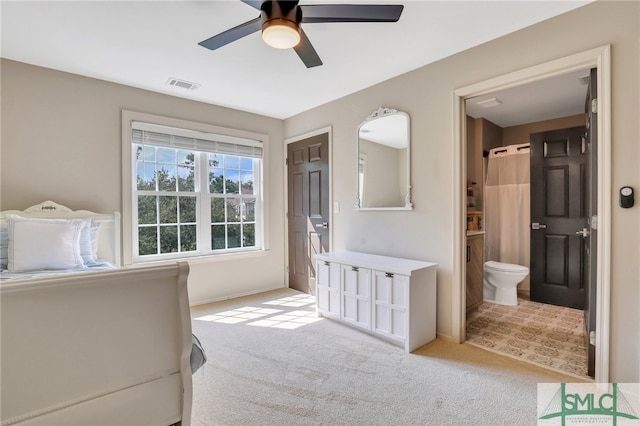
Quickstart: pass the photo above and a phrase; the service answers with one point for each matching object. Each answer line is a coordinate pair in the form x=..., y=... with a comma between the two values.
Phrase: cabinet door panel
x=322, y=285
x=383, y=319
x=390, y=304
x=328, y=288
x=399, y=291
x=398, y=322
x=355, y=295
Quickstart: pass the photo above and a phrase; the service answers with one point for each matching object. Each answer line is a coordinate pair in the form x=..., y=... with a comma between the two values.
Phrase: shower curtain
x=507, y=212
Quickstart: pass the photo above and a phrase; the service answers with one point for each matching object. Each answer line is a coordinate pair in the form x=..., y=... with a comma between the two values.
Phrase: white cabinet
x=390, y=297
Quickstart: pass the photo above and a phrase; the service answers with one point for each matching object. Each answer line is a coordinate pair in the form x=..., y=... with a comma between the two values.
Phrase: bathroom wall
x=520, y=134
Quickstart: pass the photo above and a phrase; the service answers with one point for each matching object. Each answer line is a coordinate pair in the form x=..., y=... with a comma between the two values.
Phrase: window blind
x=153, y=134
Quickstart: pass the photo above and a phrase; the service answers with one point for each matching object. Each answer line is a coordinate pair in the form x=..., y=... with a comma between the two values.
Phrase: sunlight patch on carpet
x=294, y=301
x=239, y=315
x=290, y=320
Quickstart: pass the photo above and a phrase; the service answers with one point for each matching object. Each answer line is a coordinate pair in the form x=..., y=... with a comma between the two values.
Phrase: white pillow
x=89, y=242
x=37, y=244
x=4, y=245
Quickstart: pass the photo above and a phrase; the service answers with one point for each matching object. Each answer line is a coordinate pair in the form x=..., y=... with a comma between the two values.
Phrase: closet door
x=356, y=299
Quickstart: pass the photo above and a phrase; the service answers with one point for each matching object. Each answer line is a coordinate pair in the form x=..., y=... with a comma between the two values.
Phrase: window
x=193, y=193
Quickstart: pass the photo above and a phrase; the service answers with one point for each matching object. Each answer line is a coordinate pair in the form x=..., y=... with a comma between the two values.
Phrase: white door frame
x=329, y=131
x=599, y=58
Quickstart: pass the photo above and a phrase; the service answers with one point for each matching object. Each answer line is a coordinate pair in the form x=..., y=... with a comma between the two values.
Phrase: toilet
x=501, y=281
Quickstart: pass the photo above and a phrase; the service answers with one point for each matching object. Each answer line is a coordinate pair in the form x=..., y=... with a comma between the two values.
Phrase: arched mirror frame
x=378, y=114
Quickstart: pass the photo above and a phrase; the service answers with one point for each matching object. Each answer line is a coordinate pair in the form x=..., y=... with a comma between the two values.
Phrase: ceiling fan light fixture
x=281, y=33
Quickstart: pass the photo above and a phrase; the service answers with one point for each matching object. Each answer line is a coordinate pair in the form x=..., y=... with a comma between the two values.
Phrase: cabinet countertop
x=365, y=260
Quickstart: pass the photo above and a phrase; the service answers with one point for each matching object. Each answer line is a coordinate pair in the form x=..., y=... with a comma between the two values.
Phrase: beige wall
x=426, y=233
x=61, y=140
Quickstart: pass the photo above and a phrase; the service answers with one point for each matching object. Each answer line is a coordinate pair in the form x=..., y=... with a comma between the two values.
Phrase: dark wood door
x=308, y=208
x=591, y=195
x=558, y=213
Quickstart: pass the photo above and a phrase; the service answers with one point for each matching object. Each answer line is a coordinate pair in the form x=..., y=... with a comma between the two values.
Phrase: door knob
x=323, y=225
x=536, y=225
x=584, y=232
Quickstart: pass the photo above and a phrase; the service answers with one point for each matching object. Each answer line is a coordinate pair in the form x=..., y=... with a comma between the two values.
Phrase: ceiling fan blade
x=256, y=4
x=351, y=12
x=306, y=52
x=233, y=34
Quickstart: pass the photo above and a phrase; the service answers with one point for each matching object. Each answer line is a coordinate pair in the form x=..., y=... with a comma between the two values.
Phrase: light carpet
x=272, y=361
x=547, y=335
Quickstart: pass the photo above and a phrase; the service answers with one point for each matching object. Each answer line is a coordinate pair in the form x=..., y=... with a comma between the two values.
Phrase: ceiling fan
x=280, y=24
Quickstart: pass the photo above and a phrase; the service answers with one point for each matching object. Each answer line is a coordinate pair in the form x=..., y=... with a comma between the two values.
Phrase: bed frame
x=101, y=348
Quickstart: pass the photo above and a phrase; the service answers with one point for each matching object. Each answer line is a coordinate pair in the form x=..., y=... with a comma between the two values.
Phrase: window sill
x=209, y=258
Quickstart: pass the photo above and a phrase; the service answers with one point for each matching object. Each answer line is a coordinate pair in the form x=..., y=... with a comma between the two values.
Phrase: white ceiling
x=145, y=43
x=559, y=96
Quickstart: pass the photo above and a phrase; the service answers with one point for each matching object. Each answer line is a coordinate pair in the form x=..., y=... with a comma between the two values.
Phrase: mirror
x=383, y=161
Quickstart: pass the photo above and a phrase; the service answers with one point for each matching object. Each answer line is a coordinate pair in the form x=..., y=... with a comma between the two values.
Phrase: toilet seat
x=505, y=267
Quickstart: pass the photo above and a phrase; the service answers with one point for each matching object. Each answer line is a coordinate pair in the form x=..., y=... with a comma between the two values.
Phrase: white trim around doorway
x=599, y=58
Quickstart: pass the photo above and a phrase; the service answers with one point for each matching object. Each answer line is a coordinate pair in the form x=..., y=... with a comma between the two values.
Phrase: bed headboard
x=108, y=232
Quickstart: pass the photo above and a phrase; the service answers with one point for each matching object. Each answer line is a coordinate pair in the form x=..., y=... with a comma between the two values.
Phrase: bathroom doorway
x=596, y=58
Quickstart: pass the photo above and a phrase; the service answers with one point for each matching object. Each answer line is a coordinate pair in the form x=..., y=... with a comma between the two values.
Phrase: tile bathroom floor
x=546, y=335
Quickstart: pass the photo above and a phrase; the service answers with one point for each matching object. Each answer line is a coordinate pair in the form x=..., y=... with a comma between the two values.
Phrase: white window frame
x=129, y=201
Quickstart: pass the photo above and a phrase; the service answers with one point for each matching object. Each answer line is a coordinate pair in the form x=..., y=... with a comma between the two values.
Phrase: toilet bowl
x=501, y=281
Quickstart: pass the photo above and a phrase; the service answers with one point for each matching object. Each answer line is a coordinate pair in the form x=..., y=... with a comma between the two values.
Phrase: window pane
x=146, y=176
x=167, y=178
x=149, y=153
x=217, y=237
x=147, y=240
x=186, y=157
x=249, y=214
x=147, y=209
x=167, y=155
x=187, y=209
x=188, y=238
x=232, y=181
x=249, y=235
x=168, y=239
x=247, y=182
x=217, y=210
x=216, y=181
x=233, y=236
x=168, y=209
x=231, y=162
x=233, y=210
x=246, y=163
x=141, y=183
x=215, y=160
x=186, y=178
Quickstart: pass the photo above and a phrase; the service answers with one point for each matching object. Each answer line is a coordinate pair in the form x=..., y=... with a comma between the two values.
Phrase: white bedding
x=97, y=265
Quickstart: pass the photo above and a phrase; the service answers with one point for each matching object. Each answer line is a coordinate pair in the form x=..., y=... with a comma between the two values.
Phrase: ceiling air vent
x=182, y=84
x=489, y=103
